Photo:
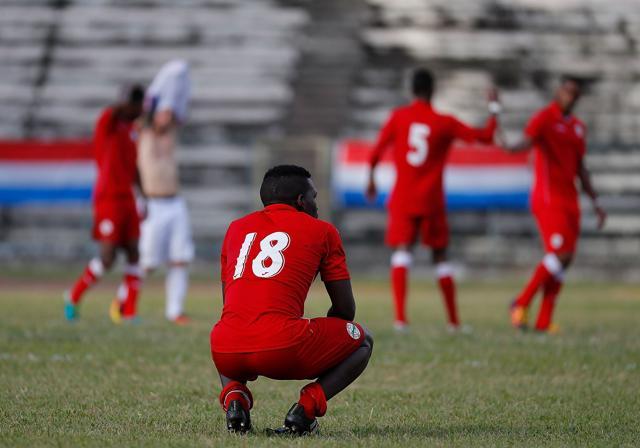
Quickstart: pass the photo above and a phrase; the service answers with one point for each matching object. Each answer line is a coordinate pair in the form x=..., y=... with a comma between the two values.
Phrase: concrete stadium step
x=69, y=93
x=101, y=56
x=225, y=156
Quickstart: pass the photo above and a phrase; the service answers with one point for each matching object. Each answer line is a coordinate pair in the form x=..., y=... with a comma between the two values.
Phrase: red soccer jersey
x=115, y=153
x=269, y=260
x=559, y=144
x=421, y=138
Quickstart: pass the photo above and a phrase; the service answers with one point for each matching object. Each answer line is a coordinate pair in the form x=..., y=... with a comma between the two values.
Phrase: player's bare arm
x=385, y=140
x=343, y=304
x=587, y=186
x=524, y=144
x=163, y=120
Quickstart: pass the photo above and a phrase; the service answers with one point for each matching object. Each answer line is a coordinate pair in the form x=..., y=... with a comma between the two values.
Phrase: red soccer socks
x=401, y=261
x=313, y=400
x=399, y=276
x=236, y=391
x=448, y=289
x=91, y=274
x=539, y=278
x=551, y=291
x=130, y=288
x=549, y=267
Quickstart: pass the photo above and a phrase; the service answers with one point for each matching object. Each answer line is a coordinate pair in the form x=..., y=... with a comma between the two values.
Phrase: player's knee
x=565, y=259
x=439, y=255
x=107, y=258
x=133, y=254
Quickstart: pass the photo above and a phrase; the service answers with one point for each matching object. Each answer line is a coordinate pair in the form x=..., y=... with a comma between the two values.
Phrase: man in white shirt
x=166, y=231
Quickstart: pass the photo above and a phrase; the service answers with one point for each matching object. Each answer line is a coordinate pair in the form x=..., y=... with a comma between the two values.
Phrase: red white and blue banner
x=38, y=172
x=476, y=177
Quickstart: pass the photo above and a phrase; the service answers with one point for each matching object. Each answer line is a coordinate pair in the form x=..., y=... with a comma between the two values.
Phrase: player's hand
x=141, y=205
x=372, y=191
x=601, y=215
x=494, y=101
x=493, y=94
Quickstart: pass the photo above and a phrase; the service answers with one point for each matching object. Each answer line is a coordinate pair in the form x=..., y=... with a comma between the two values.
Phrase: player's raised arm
x=587, y=186
x=524, y=144
x=486, y=133
x=343, y=304
x=385, y=138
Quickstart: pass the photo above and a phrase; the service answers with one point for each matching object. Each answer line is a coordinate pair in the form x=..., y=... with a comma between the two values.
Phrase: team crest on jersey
x=353, y=330
x=578, y=130
x=105, y=227
x=556, y=240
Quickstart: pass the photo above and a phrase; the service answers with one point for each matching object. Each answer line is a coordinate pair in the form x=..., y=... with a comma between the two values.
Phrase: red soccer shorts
x=559, y=229
x=328, y=342
x=403, y=229
x=116, y=221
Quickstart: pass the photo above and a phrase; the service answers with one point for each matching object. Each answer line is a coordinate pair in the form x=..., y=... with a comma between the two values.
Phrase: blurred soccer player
x=269, y=260
x=116, y=221
x=558, y=138
x=166, y=231
x=421, y=137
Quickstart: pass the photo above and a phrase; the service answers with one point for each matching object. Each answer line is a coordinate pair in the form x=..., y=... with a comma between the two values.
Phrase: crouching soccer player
x=116, y=221
x=269, y=260
x=558, y=139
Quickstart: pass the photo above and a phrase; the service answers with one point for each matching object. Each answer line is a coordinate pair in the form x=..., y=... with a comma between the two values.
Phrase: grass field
x=95, y=384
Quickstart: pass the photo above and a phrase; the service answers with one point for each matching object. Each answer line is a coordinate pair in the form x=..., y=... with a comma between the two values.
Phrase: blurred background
x=312, y=82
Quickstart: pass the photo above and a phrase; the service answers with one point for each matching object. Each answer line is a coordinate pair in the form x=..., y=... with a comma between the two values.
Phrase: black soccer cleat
x=297, y=422
x=238, y=419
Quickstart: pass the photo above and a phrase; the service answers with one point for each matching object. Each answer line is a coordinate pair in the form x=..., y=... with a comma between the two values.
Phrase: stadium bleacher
x=268, y=67
x=64, y=61
x=523, y=47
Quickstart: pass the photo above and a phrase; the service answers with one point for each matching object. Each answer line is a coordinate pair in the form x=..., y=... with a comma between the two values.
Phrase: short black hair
x=135, y=94
x=580, y=82
x=422, y=83
x=283, y=184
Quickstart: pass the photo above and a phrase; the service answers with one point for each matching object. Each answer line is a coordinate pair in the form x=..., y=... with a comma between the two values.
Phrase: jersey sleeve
x=535, y=126
x=174, y=89
x=223, y=259
x=333, y=266
x=385, y=138
x=470, y=134
x=100, y=134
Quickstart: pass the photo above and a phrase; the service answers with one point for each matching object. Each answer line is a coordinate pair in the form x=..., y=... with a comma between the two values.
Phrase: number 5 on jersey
x=418, y=134
x=272, y=247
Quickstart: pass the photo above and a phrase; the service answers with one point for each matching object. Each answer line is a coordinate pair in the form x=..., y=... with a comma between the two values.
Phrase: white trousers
x=165, y=234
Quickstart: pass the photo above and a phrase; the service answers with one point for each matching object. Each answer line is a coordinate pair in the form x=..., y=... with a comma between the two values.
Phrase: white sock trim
x=96, y=267
x=444, y=269
x=553, y=265
x=241, y=392
x=401, y=259
x=133, y=269
x=122, y=292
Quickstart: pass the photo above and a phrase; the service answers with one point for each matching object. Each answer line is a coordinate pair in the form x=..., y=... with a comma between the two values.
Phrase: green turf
x=95, y=384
